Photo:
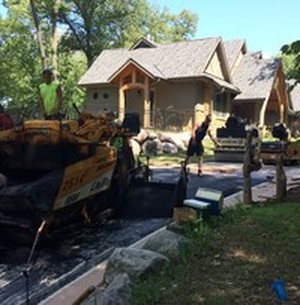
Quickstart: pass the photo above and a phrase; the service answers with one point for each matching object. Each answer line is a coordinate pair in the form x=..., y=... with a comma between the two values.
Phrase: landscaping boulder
x=135, y=146
x=142, y=136
x=170, y=148
x=159, y=146
x=149, y=148
x=165, y=138
x=137, y=263
x=118, y=292
x=167, y=243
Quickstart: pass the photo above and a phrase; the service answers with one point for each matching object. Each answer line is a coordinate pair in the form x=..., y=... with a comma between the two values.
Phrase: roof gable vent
x=143, y=43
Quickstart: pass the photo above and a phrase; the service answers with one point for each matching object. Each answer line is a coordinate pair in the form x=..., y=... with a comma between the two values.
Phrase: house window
x=105, y=95
x=220, y=104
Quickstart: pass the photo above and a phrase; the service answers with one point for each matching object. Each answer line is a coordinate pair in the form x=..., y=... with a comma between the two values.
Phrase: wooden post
x=247, y=191
x=147, y=104
x=121, y=102
x=280, y=179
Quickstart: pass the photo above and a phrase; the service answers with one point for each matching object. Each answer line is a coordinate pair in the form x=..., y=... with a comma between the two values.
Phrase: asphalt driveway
x=225, y=177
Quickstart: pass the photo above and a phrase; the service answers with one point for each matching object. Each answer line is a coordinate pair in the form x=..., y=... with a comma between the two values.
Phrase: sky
x=266, y=25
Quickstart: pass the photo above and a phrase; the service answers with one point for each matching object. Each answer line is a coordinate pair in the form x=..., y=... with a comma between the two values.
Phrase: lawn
x=235, y=259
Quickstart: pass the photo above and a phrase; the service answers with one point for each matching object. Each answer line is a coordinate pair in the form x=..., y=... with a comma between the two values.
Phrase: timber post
x=280, y=179
x=247, y=190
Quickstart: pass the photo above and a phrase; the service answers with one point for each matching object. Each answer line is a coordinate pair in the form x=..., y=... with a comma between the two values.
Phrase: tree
x=72, y=67
x=291, y=56
x=99, y=24
x=22, y=64
x=18, y=86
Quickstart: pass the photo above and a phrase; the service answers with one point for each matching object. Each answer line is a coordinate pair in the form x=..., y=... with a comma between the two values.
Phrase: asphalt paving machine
x=54, y=172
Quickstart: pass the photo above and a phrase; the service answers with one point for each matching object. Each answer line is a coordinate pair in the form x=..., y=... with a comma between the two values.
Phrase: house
x=263, y=98
x=175, y=85
x=170, y=85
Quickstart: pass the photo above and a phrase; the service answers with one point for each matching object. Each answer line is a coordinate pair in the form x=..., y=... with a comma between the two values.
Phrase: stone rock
x=179, y=139
x=118, y=292
x=165, y=138
x=149, y=148
x=177, y=228
x=170, y=148
x=182, y=139
x=167, y=243
x=159, y=146
x=142, y=136
x=137, y=263
x=135, y=146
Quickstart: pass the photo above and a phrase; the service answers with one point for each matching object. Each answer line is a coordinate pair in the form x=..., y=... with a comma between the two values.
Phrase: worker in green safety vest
x=50, y=96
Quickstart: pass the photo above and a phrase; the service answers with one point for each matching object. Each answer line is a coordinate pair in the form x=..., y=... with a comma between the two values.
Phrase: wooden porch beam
x=147, y=104
x=121, y=101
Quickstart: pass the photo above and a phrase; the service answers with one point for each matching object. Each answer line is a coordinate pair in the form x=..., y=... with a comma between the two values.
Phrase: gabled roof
x=143, y=43
x=255, y=76
x=232, y=50
x=186, y=59
x=129, y=62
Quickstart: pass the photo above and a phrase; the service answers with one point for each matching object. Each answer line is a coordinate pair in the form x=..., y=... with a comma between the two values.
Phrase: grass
x=235, y=259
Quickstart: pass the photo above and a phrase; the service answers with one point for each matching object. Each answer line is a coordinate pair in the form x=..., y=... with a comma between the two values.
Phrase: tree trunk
x=54, y=36
x=39, y=34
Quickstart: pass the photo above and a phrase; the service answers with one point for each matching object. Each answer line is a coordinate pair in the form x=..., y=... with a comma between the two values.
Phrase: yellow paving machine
x=55, y=171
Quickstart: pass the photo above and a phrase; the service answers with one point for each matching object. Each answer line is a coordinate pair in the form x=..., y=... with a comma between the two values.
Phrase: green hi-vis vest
x=49, y=95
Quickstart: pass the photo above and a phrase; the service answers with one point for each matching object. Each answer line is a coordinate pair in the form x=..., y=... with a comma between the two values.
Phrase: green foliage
x=291, y=59
x=72, y=66
x=199, y=231
x=240, y=211
x=98, y=24
x=20, y=65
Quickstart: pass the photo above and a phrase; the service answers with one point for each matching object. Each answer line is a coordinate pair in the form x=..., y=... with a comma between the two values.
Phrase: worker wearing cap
x=50, y=96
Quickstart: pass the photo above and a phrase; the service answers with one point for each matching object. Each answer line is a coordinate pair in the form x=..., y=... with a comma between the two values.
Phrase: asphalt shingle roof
x=170, y=61
x=232, y=50
x=254, y=76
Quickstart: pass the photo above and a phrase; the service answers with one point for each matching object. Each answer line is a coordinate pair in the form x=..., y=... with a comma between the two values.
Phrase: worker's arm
x=59, y=98
x=41, y=104
x=213, y=138
x=194, y=132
